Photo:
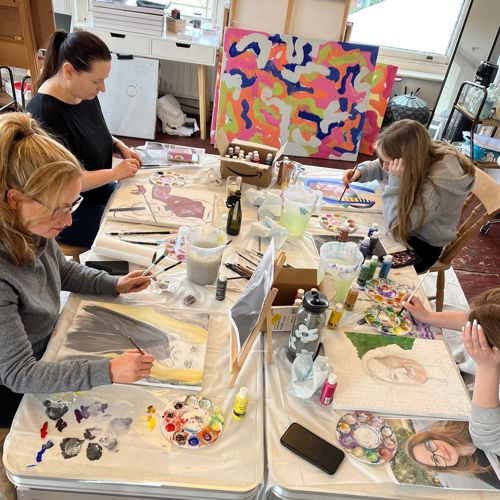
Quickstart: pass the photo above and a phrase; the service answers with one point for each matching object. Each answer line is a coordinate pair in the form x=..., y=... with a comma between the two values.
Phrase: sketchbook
x=176, y=338
x=160, y=205
x=440, y=454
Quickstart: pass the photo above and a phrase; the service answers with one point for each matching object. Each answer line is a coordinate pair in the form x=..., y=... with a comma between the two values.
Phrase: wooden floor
x=477, y=266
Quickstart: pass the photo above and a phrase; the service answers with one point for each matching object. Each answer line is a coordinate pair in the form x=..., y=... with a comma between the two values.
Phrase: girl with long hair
x=66, y=104
x=427, y=183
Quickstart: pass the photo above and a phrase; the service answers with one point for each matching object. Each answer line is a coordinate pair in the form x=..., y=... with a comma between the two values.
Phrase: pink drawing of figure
x=179, y=205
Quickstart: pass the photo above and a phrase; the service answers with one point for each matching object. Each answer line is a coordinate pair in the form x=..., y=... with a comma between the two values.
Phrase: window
x=410, y=29
x=188, y=7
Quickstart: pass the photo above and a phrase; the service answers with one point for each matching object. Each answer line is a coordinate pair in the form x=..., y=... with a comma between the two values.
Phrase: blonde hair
x=456, y=434
x=410, y=141
x=38, y=166
x=485, y=308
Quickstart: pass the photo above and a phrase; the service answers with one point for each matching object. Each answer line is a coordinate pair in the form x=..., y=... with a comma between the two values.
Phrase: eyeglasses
x=438, y=460
x=60, y=212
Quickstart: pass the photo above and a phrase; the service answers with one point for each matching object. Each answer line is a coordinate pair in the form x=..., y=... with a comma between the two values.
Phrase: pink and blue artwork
x=280, y=88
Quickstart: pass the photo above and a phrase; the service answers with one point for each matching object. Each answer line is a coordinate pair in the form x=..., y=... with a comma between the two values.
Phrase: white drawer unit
x=124, y=43
x=183, y=51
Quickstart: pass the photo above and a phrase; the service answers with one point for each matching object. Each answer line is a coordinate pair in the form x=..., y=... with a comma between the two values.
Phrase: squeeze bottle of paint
x=373, y=266
x=352, y=296
x=373, y=243
x=386, y=267
x=334, y=319
x=364, y=245
x=373, y=228
x=240, y=404
x=364, y=273
x=328, y=389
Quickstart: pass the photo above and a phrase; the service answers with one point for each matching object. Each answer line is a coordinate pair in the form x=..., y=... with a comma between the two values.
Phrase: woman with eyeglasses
x=40, y=184
x=446, y=447
x=66, y=104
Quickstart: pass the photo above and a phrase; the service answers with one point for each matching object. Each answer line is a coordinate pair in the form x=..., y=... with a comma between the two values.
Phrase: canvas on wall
x=177, y=339
x=397, y=375
x=278, y=88
x=162, y=205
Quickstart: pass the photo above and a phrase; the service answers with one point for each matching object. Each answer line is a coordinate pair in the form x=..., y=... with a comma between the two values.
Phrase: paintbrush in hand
x=165, y=269
x=347, y=185
x=414, y=291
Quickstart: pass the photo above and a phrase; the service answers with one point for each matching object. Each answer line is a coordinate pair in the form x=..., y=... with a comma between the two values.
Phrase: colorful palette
x=334, y=222
x=386, y=291
x=366, y=437
x=386, y=320
x=172, y=253
x=192, y=422
x=168, y=178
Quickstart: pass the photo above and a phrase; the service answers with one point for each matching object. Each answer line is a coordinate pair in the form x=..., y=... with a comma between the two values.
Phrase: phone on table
x=113, y=267
x=405, y=258
x=312, y=448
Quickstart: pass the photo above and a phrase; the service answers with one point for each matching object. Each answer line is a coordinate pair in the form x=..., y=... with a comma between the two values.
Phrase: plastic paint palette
x=386, y=320
x=170, y=250
x=366, y=437
x=386, y=291
x=168, y=178
x=192, y=422
x=333, y=222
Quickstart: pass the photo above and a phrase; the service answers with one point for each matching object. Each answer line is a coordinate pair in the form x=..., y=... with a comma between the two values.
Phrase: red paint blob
x=43, y=430
x=170, y=427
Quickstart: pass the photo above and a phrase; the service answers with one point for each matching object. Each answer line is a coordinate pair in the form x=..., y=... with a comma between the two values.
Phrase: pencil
x=414, y=291
x=136, y=346
x=347, y=185
x=166, y=269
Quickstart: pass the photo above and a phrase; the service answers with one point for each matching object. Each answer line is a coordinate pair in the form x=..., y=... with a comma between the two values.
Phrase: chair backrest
x=487, y=192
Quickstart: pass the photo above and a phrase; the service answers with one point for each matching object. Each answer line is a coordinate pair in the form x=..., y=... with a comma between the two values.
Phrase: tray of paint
x=192, y=422
x=333, y=222
x=169, y=249
x=167, y=178
x=366, y=437
x=386, y=320
x=386, y=291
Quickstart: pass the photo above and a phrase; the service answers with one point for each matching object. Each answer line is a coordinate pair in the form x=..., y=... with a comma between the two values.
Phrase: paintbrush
x=238, y=278
x=414, y=291
x=128, y=233
x=140, y=242
x=165, y=269
x=247, y=259
x=347, y=185
x=157, y=261
x=136, y=346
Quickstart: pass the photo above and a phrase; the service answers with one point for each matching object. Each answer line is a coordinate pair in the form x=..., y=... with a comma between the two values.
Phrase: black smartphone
x=113, y=267
x=312, y=448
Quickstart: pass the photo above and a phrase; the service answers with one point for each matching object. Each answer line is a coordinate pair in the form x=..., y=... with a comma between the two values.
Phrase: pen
x=347, y=185
x=128, y=233
x=136, y=346
x=414, y=291
x=157, y=261
x=165, y=269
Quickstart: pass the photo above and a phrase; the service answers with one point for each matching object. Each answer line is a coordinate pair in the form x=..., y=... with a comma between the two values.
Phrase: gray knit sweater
x=29, y=308
x=485, y=428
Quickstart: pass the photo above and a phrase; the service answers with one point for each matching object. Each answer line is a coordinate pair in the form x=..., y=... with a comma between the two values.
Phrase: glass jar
x=307, y=325
x=197, y=21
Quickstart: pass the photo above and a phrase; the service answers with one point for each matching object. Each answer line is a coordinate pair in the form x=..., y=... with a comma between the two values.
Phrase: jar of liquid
x=307, y=325
x=196, y=22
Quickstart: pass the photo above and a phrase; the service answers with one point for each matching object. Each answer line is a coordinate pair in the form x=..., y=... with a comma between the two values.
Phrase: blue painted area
x=351, y=70
x=245, y=80
x=244, y=114
x=43, y=449
x=372, y=50
x=254, y=46
x=343, y=103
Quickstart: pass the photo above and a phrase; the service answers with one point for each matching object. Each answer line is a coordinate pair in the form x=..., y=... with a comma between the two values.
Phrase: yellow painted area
x=276, y=317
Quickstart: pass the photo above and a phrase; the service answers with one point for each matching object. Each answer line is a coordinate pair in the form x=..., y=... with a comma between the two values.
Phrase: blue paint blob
x=193, y=441
x=43, y=449
x=244, y=114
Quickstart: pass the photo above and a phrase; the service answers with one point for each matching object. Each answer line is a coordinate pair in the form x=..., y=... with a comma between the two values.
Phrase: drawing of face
x=184, y=355
x=397, y=370
x=435, y=453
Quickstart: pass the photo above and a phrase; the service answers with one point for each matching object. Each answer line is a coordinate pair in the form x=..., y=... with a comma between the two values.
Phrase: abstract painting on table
x=382, y=83
x=177, y=339
x=440, y=454
x=162, y=205
x=397, y=375
x=281, y=88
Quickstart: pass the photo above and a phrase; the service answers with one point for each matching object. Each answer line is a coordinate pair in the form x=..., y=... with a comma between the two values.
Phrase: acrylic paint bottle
x=335, y=316
x=328, y=389
x=344, y=232
x=364, y=273
x=269, y=159
x=373, y=243
x=364, y=245
x=352, y=296
x=373, y=266
x=240, y=404
x=373, y=228
x=386, y=267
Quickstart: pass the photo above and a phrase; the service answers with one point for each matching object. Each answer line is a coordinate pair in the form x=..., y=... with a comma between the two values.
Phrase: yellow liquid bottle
x=240, y=404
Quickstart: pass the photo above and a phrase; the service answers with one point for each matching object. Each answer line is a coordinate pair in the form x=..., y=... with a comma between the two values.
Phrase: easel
x=264, y=323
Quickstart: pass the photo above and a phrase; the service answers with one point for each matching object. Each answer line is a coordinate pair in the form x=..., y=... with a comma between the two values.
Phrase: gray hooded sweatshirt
x=443, y=203
x=29, y=308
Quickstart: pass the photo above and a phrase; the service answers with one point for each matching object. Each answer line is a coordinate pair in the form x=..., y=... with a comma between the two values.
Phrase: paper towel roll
x=122, y=250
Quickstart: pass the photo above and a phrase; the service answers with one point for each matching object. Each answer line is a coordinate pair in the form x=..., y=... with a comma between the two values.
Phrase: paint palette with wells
x=192, y=422
x=333, y=222
x=366, y=437
x=386, y=291
x=386, y=320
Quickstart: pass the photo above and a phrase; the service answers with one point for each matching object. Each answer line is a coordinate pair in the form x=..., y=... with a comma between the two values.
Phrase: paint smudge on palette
x=366, y=437
x=386, y=320
x=49, y=444
x=94, y=451
x=386, y=291
x=61, y=425
x=148, y=421
x=55, y=409
x=70, y=447
x=192, y=422
x=43, y=430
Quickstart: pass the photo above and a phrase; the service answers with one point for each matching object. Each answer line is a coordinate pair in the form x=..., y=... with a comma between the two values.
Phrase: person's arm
x=124, y=151
x=452, y=320
x=485, y=413
x=366, y=172
x=92, y=179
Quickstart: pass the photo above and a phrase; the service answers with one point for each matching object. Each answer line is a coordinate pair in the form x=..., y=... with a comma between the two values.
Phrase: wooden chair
x=487, y=191
x=72, y=251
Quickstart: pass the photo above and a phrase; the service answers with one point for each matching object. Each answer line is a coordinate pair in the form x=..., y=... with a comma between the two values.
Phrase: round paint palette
x=366, y=437
x=333, y=222
x=386, y=320
x=192, y=422
x=170, y=250
x=168, y=178
x=386, y=291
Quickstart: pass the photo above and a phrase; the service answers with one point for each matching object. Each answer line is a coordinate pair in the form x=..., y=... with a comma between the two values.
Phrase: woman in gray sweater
x=427, y=183
x=40, y=183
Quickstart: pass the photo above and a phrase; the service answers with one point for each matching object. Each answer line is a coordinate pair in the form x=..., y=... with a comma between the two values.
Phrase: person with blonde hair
x=427, y=184
x=40, y=184
x=66, y=104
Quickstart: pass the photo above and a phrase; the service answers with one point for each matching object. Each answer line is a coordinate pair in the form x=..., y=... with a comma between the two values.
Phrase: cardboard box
x=257, y=174
x=288, y=282
x=175, y=25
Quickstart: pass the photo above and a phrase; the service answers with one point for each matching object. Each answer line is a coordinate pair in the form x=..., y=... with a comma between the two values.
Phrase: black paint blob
x=55, y=409
x=94, y=451
x=70, y=447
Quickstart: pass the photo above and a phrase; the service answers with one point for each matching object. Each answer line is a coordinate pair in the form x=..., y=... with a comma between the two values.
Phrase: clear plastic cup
x=297, y=207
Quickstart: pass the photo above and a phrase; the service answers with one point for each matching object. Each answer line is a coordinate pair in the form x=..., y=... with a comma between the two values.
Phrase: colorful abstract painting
x=382, y=83
x=278, y=88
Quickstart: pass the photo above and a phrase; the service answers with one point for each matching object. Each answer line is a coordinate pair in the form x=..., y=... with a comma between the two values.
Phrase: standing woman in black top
x=66, y=104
